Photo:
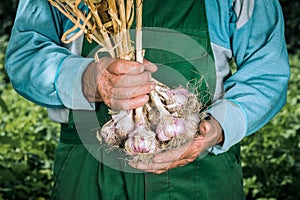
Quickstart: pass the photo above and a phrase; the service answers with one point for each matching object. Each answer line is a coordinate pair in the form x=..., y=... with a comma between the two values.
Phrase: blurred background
x=270, y=158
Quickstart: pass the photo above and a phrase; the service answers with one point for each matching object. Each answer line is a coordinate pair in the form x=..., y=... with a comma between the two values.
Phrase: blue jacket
x=249, y=31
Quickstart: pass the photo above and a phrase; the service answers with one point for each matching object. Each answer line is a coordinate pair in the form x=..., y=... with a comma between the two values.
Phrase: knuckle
x=121, y=93
x=117, y=65
x=126, y=81
x=134, y=92
x=122, y=66
x=143, y=90
x=143, y=78
x=148, y=76
x=114, y=67
x=127, y=93
x=148, y=88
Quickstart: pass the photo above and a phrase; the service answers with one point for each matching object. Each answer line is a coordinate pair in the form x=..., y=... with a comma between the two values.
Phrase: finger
x=151, y=167
x=196, y=147
x=171, y=155
x=131, y=80
x=149, y=66
x=121, y=66
x=111, y=86
x=155, y=171
x=205, y=127
x=128, y=104
x=180, y=163
x=159, y=167
x=212, y=131
x=128, y=93
x=158, y=171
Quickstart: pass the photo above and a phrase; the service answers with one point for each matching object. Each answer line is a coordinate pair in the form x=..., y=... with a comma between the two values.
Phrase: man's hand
x=211, y=134
x=120, y=84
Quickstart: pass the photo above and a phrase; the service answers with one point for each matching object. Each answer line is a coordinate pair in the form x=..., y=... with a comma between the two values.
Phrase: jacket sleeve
x=39, y=66
x=257, y=90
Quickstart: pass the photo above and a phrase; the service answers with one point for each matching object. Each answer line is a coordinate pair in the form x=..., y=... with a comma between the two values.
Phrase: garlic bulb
x=177, y=99
x=141, y=141
x=124, y=123
x=109, y=135
x=191, y=124
x=170, y=127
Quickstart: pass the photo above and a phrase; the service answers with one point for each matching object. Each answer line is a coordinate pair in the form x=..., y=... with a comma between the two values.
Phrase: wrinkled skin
x=211, y=134
x=120, y=84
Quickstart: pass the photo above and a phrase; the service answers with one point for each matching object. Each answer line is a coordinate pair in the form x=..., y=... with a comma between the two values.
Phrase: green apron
x=181, y=49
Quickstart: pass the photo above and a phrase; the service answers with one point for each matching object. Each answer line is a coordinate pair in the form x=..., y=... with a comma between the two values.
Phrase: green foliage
x=271, y=160
x=27, y=145
x=292, y=21
x=7, y=15
x=3, y=76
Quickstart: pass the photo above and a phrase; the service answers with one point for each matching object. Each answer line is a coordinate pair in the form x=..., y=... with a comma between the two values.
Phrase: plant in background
x=27, y=144
x=271, y=161
x=3, y=76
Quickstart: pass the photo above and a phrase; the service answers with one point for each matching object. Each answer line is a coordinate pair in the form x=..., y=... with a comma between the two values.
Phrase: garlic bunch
x=169, y=119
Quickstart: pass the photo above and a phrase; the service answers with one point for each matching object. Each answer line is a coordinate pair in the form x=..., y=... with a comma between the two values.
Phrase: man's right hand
x=120, y=84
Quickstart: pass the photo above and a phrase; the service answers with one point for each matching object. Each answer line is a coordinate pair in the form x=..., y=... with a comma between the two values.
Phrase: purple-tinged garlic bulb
x=178, y=99
x=124, y=123
x=107, y=132
x=170, y=127
x=141, y=141
x=192, y=125
x=175, y=99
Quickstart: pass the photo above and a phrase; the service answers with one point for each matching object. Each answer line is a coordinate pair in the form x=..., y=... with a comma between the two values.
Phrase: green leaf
x=6, y=176
x=38, y=152
x=10, y=141
x=19, y=168
x=3, y=105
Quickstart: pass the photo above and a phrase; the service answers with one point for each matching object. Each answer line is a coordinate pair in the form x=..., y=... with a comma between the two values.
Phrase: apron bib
x=182, y=51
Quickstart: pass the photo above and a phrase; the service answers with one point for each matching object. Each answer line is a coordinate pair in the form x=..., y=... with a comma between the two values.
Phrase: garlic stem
x=139, y=49
x=157, y=102
x=140, y=118
x=101, y=27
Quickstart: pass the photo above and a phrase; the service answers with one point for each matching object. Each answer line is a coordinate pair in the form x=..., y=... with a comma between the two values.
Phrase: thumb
x=212, y=130
x=205, y=127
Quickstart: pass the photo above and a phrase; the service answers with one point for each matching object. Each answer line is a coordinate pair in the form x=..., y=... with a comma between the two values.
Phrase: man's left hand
x=211, y=134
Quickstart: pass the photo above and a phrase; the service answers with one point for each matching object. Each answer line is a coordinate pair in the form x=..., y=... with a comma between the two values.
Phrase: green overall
x=178, y=42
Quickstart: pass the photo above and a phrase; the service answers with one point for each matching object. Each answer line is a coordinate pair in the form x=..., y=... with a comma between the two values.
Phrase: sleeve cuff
x=233, y=120
x=69, y=85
